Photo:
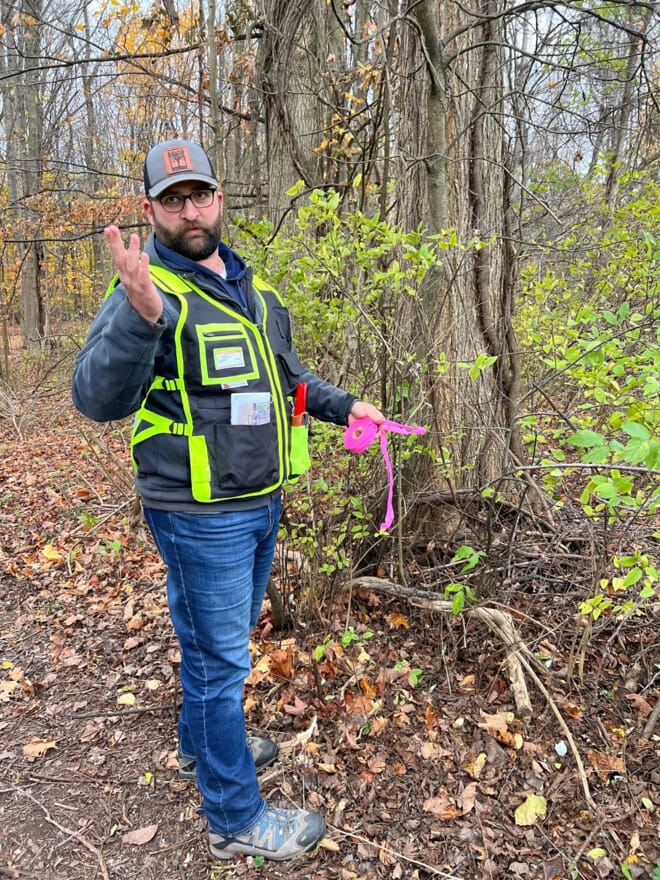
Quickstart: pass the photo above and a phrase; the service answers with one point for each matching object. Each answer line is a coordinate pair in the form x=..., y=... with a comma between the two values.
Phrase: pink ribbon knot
x=359, y=436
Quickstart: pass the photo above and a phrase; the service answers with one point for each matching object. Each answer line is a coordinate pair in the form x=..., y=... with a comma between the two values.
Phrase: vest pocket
x=245, y=459
x=226, y=355
x=299, y=459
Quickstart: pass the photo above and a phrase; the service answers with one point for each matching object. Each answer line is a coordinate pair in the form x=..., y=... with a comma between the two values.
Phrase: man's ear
x=148, y=211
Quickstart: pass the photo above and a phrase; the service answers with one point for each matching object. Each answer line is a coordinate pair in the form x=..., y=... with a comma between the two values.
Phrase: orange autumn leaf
x=398, y=620
x=282, y=664
x=36, y=748
x=430, y=717
x=367, y=688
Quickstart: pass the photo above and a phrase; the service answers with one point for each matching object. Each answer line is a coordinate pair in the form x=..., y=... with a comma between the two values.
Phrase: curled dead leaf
x=474, y=768
x=606, y=765
x=442, y=806
x=140, y=836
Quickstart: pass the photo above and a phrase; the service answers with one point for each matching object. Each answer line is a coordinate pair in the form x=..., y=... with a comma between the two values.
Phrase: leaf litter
x=407, y=742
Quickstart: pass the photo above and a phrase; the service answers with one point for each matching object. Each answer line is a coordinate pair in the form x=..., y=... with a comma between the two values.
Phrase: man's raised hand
x=132, y=265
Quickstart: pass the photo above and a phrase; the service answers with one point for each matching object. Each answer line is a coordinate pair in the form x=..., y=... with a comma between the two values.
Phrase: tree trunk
x=456, y=178
x=624, y=110
x=21, y=93
x=292, y=57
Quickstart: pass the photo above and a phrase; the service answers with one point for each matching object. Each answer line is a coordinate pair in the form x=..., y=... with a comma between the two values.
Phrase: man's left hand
x=361, y=409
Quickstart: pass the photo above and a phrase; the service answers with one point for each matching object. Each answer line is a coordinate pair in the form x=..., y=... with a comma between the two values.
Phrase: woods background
x=459, y=201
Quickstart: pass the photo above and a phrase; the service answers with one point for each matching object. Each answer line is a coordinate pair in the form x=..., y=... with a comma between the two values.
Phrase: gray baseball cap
x=173, y=161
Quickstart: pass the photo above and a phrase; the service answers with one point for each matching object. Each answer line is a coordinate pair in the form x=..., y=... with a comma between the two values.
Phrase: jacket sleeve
x=115, y=367
x=326, y=401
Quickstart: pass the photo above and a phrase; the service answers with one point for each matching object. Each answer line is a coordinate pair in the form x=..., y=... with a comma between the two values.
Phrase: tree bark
x=22, y=102
x=454, y=176
x=293, y=54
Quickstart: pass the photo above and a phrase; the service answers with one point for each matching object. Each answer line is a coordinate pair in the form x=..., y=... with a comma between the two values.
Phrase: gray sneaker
x=264, y=752
x=279, y=835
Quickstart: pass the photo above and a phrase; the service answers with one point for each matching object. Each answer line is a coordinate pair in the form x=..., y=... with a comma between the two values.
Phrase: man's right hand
x=132, y=265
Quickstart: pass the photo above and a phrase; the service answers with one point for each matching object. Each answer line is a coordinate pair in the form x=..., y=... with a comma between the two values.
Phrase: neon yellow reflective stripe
x=167, y=281
x=261, y=285
x=160, y=383
x=159, y=425
x=200, y=469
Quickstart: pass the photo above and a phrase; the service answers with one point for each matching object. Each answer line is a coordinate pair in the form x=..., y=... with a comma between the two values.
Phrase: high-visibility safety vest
x=198, y=411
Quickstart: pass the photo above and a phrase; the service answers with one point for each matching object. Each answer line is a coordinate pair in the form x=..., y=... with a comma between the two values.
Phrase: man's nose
x=189, y=211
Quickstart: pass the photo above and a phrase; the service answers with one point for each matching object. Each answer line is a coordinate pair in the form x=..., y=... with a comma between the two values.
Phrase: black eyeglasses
x=173, y=202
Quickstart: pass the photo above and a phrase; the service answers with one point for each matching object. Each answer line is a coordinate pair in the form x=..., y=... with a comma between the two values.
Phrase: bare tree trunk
x=21, y=93
x=93, y=181
x=454, y=176
x=292, y=56
x=624, y=110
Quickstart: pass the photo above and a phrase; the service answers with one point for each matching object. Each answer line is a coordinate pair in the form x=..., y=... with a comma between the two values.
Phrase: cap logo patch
x=177, y=160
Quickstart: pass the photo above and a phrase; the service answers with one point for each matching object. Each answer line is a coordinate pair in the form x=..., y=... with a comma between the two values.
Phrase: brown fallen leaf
x=430, y=717
x=38, y=747
x=642, y=706
x=140, y=836
x=442, y=806
x=605, y=765
x=467, y=797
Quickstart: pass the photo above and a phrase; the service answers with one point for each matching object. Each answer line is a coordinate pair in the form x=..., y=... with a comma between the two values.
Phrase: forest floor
x=394, y=721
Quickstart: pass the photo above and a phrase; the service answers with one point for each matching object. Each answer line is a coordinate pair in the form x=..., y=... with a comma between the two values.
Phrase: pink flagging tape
x=359, y=436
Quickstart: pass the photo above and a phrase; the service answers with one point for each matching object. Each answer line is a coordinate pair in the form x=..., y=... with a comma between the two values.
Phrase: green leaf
x=586, y=438
x=481, y=363
x=635, y=429
x=596, y=853
x=296, y=188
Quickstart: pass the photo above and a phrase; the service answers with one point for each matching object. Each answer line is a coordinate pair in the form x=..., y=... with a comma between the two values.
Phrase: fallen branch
x=381, y=847
x=517, y=655
x=497, y=621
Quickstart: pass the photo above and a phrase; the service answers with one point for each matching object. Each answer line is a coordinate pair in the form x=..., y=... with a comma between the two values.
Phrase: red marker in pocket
x=299, y=416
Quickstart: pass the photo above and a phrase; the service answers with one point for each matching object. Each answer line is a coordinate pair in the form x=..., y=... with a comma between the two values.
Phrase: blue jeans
x=217, y=571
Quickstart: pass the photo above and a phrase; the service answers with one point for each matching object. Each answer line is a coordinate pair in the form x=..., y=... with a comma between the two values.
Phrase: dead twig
x=72, y=833
x=397, y=855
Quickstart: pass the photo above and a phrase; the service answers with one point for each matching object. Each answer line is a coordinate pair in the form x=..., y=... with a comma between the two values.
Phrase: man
x=201, y=352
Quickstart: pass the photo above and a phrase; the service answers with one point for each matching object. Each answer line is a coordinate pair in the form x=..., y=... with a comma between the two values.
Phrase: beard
x=198, y=248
